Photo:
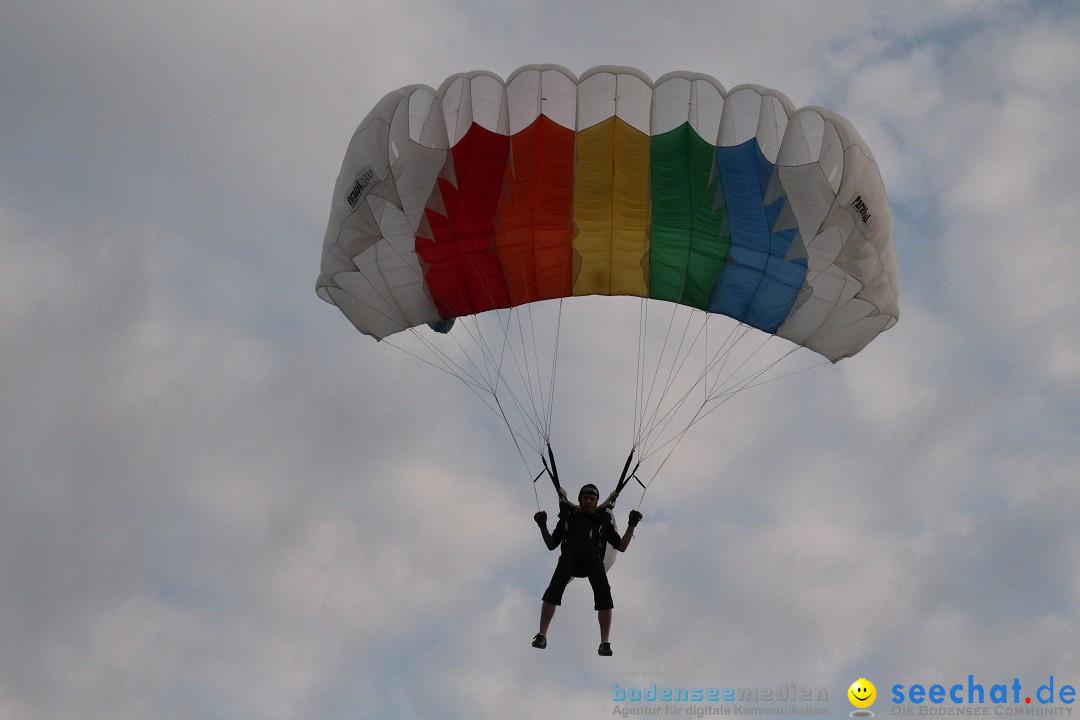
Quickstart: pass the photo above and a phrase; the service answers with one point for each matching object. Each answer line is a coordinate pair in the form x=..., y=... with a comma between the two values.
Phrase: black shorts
x=570, y=567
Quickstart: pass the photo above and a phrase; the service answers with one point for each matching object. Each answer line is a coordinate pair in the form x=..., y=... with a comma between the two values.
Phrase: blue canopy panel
x=756, y=286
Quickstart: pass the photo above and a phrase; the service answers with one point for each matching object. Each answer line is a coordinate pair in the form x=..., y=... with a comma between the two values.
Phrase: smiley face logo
x=862, y=693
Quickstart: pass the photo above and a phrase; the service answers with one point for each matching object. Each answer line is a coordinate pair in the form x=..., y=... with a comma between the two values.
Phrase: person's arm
x=624, y=542
x=541, y=520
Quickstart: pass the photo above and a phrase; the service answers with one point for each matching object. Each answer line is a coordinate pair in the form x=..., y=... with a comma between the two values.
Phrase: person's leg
x=604, y=616
x=553, y=598
x=602, y=600
x=547, y=611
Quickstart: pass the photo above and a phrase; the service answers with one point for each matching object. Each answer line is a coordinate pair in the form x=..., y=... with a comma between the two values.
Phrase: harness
x=584, y=534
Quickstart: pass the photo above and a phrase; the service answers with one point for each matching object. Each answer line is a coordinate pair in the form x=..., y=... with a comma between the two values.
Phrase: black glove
x=541, y=518
x=635, y=518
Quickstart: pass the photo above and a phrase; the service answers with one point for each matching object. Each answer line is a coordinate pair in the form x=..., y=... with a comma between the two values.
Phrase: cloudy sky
x=217, y=500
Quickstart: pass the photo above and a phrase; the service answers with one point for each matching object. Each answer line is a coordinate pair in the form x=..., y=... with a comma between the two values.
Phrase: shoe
x=539, y=641
x=604, y=649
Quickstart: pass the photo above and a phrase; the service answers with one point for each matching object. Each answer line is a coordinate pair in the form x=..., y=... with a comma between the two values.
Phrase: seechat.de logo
x=862, y=694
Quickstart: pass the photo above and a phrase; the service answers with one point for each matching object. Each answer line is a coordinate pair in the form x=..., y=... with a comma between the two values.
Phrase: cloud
x=216, y=499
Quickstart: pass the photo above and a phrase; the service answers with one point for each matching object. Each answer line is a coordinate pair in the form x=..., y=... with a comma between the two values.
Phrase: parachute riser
x=624, y=478
x=553, y=472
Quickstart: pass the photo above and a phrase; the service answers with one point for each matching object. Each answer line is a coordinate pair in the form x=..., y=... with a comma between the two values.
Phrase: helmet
x=588, y=489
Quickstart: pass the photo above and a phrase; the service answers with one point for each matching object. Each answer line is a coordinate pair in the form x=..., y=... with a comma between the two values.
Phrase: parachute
x=490, y=197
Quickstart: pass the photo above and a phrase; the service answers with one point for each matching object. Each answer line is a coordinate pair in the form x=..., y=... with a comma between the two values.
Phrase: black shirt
x=583, y=534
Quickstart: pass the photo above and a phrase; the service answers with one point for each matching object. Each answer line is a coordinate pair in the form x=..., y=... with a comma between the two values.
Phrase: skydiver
x=583, y=532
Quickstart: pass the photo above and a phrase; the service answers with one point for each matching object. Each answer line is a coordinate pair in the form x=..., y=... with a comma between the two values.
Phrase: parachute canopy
x=488, y=194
